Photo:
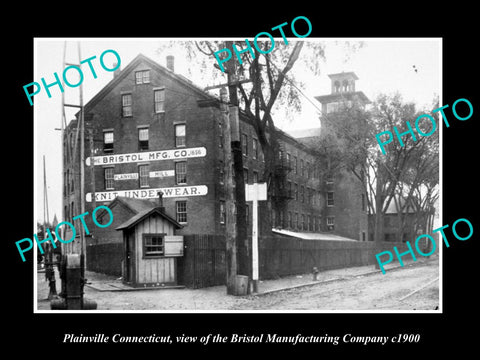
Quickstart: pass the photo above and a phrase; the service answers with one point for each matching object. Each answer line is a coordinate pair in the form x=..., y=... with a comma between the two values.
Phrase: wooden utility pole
x=243, y=246
x=230, y=226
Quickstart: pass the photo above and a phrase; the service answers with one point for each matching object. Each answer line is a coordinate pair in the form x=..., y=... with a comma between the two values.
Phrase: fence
x=105, y=258
x=203, y=263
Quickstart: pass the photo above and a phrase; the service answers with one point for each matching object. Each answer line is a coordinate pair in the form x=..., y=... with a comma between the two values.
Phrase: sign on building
x=131, y=176
x=148, y=156
x=170, y=192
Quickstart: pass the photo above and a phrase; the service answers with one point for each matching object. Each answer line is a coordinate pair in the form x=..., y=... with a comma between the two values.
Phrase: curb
x=336, y=279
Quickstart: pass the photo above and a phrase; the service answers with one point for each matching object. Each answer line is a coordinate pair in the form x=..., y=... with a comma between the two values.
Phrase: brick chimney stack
x=171, y=63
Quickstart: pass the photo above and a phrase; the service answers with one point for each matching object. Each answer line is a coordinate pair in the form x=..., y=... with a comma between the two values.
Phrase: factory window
x=245, y=175
x=143, y=139
x=142, y=77
x=180, y=135
x=143, y=175
x=159, y=99
x=108, y=176
x=181, y=172
x=221, y=173
x=331, y=221
x=330, y=199
x=153, y=245
x=244, y=145
x=181, y=211
x=127, y=105
x=108, y=141
x=223, y=214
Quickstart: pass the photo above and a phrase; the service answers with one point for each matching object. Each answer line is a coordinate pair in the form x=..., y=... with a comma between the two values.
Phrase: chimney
x=160, y=202
x=117, y=71
x=224, y=94
x=171, y=63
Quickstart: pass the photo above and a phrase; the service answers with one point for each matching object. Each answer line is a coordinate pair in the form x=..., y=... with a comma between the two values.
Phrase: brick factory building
x=150, y=131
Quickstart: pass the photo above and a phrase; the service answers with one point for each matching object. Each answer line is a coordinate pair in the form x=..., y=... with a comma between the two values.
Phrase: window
x=247, y=214
x=330, y=199
x=309, y=220
x=289, y=160
x=223, y=214
x=302, y=194
x=289, y=189
x=245, y=175
x=244, y=145
x=296, y=220
x=181, y=207
x=280, y=156
x=304, y=226
x=315, y=219
x=159, y=100
x=363, y=236
x=181, y=172
x=308, y=170
x=296, y=191
x=127, y=105
x=221, y=174
x=143, y=175
x=142, y=77
x=363, y=202
x=108, y=176
x=153, y=245
x=108, y=141
x=220, y=132
x=143, y=139
x=390, y=237
x=180, y=135
x=302, y=167
x=255, y=176
x=290, y=220
x=330, y=220
x=255, y=148
x=295, y=165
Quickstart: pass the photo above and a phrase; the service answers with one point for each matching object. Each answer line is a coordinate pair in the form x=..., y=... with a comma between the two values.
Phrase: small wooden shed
x=151, y=248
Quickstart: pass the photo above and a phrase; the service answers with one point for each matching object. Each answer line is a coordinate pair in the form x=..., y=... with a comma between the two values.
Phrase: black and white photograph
x=243, y=182
x=236, y=175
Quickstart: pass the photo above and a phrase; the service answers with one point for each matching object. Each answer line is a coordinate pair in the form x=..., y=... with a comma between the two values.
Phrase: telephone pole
x=243, y=246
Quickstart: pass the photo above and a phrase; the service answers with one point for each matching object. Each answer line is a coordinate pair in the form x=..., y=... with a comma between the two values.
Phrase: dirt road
x=352, y=292
x=383, y=292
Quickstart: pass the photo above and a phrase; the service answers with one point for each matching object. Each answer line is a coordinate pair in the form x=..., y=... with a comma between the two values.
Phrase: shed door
x=129, y=256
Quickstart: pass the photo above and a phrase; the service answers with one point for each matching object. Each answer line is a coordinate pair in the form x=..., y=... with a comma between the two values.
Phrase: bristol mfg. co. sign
x=173, y=154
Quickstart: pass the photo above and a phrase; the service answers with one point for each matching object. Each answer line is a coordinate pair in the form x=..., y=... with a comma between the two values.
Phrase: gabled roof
x=143, y=215
x=154, y=66
x=134, y=205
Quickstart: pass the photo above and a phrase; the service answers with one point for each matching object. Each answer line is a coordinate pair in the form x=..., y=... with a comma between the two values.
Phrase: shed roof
x=312, y=236
x=144, y=214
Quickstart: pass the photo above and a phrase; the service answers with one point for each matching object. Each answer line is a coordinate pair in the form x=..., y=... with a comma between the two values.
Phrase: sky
x=383, y=65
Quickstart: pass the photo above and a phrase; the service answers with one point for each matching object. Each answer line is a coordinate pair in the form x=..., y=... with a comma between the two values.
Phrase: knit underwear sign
x=170, y=192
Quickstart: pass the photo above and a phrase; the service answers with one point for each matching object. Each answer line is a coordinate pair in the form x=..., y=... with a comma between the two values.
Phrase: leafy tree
x=408, y=172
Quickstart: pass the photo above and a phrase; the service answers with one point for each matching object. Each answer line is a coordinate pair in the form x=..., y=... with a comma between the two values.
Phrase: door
x=129, y=256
